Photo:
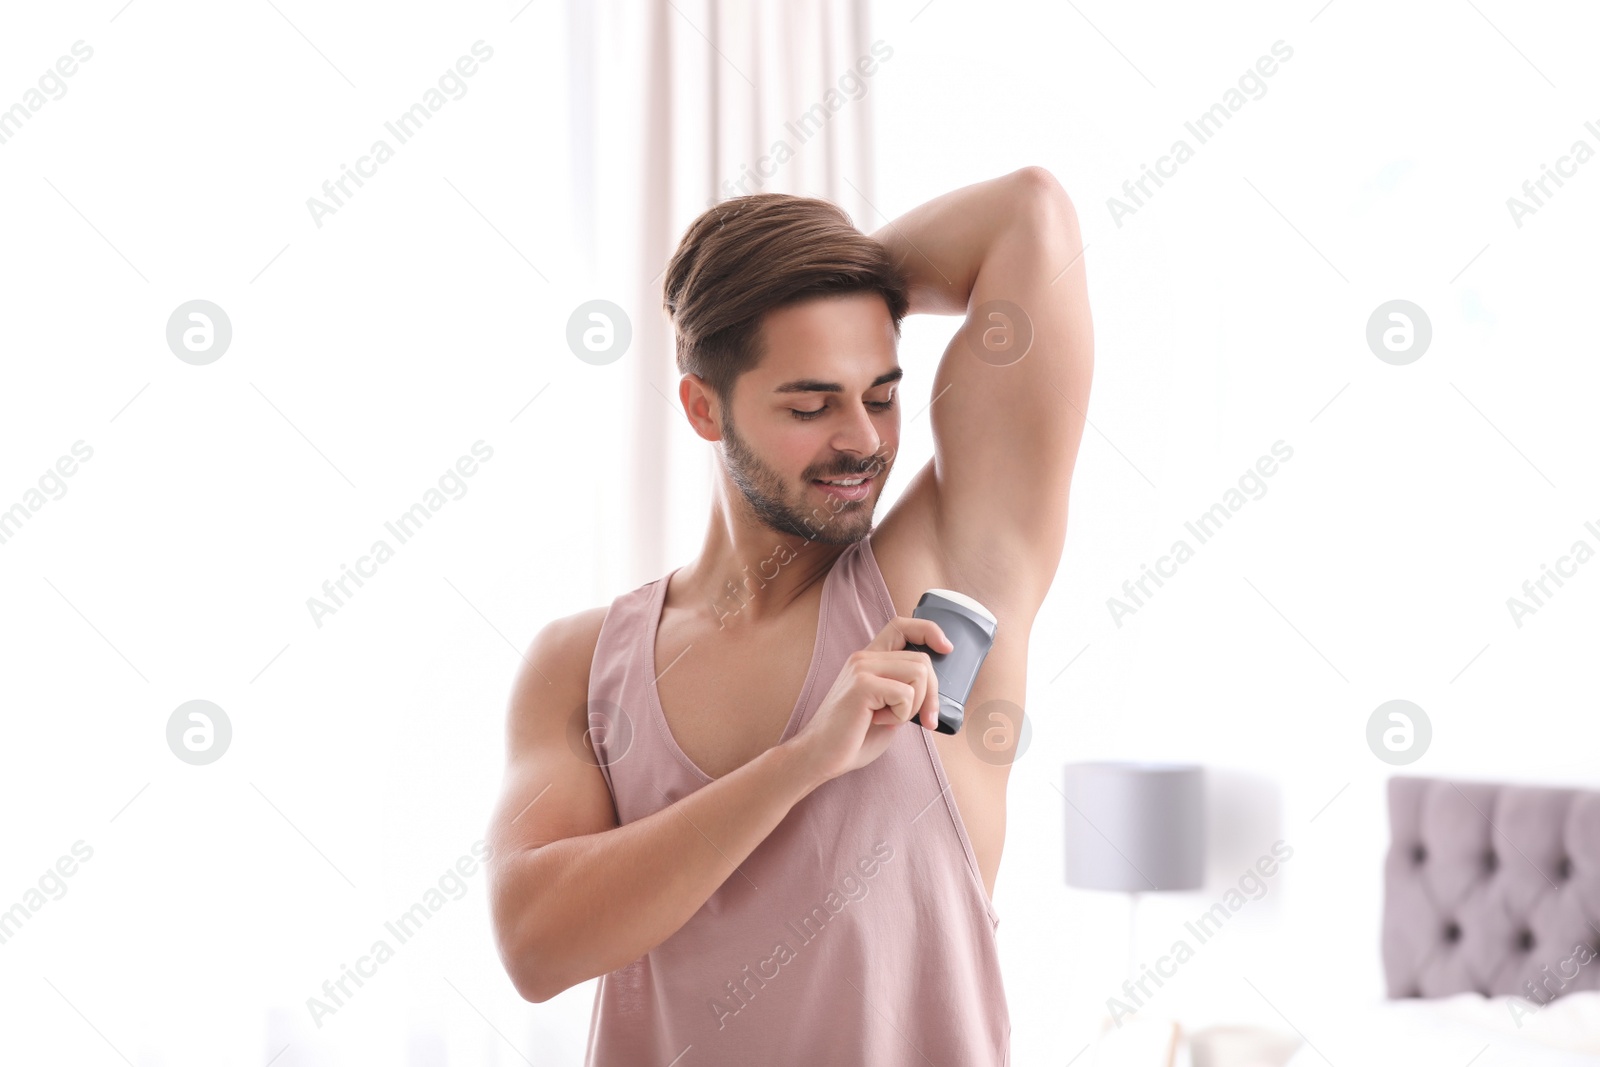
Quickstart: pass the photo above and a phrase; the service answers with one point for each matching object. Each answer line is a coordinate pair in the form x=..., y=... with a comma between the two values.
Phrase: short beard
x=763, y=492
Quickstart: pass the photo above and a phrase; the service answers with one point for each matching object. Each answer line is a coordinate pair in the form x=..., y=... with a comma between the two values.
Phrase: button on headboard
x=1491, y=888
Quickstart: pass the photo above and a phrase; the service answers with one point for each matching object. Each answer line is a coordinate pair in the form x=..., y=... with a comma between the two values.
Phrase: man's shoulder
x=568, y=642
x=556, y=663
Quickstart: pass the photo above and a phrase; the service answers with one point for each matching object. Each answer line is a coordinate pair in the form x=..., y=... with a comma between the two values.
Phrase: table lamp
x=1135, y=828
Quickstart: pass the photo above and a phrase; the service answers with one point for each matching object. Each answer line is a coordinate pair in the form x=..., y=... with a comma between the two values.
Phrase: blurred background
x=187, y=505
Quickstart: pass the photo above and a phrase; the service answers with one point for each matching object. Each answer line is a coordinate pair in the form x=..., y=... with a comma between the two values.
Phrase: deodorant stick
x=970, y=627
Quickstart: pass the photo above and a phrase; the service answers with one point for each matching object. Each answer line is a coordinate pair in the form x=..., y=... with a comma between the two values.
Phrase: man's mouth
x=855, y=488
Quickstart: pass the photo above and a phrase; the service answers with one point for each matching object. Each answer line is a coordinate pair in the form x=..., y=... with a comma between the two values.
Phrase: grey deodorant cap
x=970, y=627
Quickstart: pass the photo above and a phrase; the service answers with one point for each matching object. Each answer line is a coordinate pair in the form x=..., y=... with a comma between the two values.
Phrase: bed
x=1491, y=933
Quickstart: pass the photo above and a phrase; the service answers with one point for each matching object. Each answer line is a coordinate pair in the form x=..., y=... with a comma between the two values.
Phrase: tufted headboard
x=1491, y=888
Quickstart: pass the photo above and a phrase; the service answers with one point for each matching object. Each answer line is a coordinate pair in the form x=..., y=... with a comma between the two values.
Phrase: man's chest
x=728, y=698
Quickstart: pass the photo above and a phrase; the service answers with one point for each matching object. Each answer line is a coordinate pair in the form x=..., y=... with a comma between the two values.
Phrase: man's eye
x=876, y=405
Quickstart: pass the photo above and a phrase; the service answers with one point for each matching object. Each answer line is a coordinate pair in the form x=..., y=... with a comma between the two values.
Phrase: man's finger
x=930, y=702
x=897, y=698
x=903, y=630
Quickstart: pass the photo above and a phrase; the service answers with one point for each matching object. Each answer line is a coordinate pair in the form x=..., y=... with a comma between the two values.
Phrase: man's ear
x=701, y=407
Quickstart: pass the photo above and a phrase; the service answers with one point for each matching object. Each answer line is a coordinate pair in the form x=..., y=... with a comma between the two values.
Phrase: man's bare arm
x=1006, y=430
x=574, y=895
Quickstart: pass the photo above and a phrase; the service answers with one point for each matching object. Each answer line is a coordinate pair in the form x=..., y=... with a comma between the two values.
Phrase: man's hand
x=879, y=689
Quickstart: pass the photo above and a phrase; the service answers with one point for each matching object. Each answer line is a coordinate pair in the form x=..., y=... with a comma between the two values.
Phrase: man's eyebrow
x=812, y=385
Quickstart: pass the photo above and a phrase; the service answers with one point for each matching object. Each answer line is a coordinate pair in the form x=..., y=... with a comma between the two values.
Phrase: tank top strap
x=619, y=727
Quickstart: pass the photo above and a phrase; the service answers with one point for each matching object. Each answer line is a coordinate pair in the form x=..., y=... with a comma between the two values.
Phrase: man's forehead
x=829, y=343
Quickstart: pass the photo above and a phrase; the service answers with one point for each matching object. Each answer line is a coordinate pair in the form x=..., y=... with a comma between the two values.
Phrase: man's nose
x=858, y=434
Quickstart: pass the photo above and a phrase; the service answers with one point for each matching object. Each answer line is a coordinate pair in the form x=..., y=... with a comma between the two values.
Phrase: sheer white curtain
x=676, y=105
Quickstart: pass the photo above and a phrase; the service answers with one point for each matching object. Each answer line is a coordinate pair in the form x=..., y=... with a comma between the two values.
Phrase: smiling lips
x=846, y=488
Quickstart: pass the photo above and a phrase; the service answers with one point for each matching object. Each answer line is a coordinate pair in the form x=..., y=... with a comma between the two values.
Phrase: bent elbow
x=523, y=954
x=539, y=985
x=532, y=981
x=1041, y=182
x=1046, y=199
x=531, y=992
x=537, y=968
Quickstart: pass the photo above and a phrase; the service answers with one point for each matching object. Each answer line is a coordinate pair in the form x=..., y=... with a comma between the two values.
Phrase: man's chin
x=841, y=523
x=837, y=534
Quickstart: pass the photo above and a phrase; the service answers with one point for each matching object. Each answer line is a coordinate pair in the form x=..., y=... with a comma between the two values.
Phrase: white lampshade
x=1135, y=827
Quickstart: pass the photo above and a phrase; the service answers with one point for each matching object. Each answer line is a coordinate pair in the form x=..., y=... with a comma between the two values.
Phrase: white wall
x=1378, y=563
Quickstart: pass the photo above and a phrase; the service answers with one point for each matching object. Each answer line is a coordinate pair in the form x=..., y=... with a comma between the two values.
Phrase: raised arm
x=1012, y=390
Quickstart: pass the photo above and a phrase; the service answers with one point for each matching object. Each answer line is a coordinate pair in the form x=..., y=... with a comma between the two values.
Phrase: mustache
x=873, y=467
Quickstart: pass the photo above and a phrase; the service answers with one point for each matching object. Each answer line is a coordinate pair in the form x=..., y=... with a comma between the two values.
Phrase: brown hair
x=752, y=254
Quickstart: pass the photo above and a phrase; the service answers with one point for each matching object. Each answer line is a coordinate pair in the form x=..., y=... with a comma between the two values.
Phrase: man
x=724, y=795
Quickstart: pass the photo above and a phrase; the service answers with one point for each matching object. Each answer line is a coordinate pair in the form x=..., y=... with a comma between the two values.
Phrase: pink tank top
x=859, y=931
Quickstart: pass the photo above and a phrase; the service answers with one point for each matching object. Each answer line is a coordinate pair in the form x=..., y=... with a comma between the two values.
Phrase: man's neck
x=748, y=573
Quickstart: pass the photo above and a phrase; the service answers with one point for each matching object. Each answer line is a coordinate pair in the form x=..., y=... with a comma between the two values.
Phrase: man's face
x=822, y=404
